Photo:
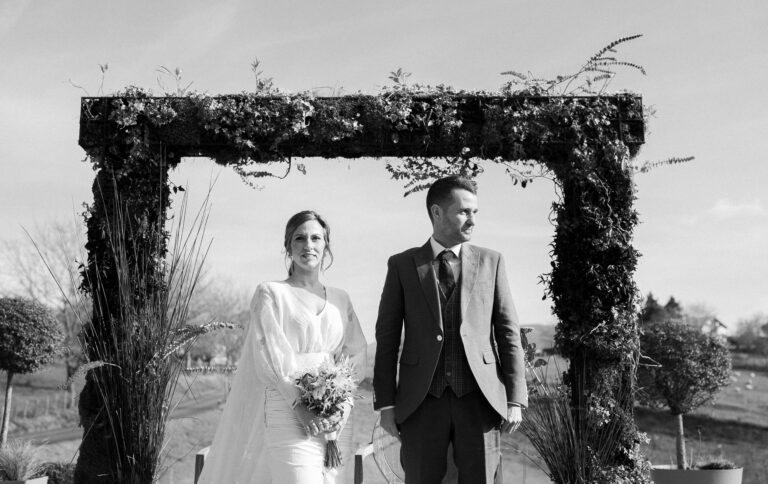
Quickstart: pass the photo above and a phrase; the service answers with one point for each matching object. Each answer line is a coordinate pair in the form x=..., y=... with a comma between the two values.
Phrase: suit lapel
x=423, y=260
x=469, y=260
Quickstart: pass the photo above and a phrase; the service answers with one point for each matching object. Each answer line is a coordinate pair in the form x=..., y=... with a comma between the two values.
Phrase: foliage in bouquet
x=326, y=388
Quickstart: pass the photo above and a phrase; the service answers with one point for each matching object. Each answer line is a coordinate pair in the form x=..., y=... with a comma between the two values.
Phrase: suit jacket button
x=439, y=337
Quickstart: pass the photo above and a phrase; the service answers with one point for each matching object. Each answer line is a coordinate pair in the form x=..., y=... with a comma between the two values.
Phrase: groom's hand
x=514, y=418
x=388, y=422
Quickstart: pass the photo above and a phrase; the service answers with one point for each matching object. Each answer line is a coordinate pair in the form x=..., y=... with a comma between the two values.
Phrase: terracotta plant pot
x=673, y=475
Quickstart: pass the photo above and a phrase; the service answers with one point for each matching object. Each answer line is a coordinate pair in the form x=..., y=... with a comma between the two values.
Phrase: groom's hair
x=440, y=191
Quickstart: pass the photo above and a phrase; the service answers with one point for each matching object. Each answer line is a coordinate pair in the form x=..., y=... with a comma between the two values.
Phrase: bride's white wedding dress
x=259, y=438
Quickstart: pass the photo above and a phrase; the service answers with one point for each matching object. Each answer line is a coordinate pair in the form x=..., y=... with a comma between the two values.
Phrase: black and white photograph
x=415, y=242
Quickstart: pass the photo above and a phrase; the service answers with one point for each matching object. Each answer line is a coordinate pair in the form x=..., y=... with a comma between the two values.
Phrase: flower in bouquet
x=326, y=391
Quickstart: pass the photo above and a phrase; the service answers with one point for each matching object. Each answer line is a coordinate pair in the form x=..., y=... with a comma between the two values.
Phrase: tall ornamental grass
x=134, y=348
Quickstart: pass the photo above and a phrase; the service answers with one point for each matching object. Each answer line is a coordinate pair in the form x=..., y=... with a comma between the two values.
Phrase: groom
x=461, y=377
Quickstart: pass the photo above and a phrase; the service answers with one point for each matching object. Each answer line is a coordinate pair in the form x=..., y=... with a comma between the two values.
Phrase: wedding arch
x=585, y=142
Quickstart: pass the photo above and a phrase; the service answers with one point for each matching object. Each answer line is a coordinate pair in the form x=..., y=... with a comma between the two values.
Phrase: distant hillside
x=543, y=335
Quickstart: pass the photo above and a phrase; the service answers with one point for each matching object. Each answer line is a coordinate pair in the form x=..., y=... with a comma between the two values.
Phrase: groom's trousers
x=469, y=423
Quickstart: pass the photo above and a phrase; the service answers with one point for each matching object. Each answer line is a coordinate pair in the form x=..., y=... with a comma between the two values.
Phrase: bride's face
x=308, y=245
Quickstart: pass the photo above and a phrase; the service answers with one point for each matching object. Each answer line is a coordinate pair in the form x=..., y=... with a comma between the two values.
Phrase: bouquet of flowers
x=324, y=391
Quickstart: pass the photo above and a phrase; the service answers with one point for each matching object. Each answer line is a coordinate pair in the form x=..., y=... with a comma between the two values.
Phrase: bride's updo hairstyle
x=294, y=223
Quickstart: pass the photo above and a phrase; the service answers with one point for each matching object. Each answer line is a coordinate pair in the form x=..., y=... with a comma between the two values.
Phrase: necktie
x=445, y=273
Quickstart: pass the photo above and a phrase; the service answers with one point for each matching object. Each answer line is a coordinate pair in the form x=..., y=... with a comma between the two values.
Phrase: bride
x=265, y=435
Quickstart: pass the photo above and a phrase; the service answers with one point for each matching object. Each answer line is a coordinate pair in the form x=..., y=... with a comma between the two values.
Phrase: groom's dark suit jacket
x=489, y=330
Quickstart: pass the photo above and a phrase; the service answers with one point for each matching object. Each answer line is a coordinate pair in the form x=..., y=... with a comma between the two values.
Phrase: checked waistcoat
x=452, y=366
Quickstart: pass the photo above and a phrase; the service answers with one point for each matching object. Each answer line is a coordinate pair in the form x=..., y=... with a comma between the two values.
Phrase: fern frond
x=649, y=165
x=515, y=74
x=608, y=75
x=610, y=47
x=621, y=63
x=597, y=69
x=417, y=188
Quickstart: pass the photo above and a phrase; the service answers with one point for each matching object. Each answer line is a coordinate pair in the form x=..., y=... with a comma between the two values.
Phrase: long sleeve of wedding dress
x=275, y=357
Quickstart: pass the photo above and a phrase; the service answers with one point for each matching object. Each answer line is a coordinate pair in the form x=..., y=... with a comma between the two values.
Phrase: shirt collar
x=437, y=248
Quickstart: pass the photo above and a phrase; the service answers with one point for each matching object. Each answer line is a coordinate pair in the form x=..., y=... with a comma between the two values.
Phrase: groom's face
x=453, y=221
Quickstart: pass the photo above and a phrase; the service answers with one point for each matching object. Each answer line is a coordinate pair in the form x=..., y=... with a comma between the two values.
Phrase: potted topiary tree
x=689, y=367
x=31, y=338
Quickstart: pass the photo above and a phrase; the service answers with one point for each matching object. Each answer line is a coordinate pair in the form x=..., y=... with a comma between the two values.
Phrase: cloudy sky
x=704, y=228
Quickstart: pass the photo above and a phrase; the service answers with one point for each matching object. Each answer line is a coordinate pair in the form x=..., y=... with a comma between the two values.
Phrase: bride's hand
x=313, y=424
x=307, y=419
x=340, y=421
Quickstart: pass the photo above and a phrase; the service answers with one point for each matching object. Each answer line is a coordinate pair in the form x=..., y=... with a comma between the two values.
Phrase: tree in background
x=689, y=367
x=751, y=334
x=45, y=269
x=218, y=299
x=652, y=312
x=31, y=338
x=673, y=310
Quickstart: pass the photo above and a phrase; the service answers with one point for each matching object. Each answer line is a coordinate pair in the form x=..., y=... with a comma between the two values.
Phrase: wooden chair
x=362, y=452
x=451, y=474
x=199, y=461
